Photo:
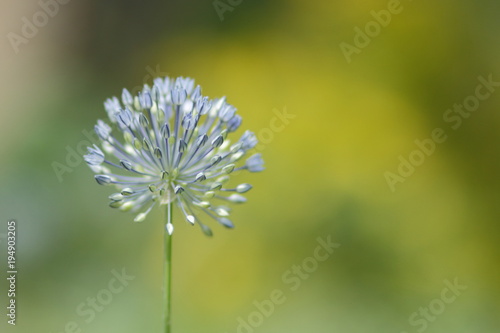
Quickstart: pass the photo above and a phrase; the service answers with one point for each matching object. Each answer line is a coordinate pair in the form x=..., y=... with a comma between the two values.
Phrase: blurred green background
x=324, y=177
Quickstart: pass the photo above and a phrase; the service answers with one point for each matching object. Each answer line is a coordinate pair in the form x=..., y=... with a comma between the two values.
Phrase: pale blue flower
x=254, y=163
x=175, y=149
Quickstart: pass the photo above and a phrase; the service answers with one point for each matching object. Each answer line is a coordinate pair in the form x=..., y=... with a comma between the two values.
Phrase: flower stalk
x=167, y=273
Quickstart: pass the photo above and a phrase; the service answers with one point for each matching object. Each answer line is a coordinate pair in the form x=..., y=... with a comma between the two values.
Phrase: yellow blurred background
x=353, y=117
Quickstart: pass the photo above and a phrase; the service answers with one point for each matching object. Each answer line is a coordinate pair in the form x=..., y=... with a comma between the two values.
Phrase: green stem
x=167, y=287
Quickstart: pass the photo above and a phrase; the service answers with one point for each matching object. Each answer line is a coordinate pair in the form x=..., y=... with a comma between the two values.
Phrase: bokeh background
x=324, y=176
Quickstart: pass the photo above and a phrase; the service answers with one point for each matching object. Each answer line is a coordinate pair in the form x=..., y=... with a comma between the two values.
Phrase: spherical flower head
x=174, y=150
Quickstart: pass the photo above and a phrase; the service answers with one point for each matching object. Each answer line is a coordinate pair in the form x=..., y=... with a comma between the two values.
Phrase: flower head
x=175, y=149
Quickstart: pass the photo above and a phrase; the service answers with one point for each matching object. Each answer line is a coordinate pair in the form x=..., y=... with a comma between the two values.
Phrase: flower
x=175, y=150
